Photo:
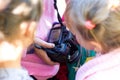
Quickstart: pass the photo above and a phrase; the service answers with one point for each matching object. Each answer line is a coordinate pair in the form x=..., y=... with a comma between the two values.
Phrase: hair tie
x=89, y=25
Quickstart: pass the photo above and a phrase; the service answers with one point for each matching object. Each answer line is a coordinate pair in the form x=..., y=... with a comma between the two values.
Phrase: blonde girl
x=96, y=25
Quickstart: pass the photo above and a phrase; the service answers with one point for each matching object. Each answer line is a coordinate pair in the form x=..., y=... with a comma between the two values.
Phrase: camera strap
x=58, y=15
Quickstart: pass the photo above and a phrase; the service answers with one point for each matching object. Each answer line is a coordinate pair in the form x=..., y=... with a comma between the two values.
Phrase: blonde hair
x=14, y=13
x=103, y=14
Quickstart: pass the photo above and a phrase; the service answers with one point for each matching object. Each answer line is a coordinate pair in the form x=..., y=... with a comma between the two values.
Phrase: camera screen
x=55, y=34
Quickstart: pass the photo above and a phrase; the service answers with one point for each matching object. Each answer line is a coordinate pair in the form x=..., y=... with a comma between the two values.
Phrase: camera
x=66, y=46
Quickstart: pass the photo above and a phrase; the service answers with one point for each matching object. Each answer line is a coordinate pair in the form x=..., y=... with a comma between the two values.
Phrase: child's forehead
x=22, y=9
x=18, y=7
x=3, y=4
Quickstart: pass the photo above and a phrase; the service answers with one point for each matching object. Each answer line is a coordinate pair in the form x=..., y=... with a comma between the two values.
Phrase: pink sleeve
x=48, y=17
x=37, y=67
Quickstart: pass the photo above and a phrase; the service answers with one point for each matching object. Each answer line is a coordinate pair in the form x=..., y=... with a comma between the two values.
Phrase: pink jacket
x=32, y=62
x=104, y=67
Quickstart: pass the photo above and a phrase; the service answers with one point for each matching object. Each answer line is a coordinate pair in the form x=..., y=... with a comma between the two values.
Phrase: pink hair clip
x=89, y=25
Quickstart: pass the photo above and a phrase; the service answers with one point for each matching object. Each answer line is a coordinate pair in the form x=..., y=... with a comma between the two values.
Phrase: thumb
x=44, y=43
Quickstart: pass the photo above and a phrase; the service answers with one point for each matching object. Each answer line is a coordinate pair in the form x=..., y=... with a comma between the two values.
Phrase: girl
x=96, y=25
x=18, y=19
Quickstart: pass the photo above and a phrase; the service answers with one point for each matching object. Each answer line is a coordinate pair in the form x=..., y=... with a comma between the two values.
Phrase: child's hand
x=43, y=43
x=41, y=53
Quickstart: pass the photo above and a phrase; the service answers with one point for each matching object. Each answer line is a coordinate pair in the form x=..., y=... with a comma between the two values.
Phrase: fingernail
x=53, y=45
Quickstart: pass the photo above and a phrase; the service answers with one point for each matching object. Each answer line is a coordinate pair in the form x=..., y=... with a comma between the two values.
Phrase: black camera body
x=66, y=46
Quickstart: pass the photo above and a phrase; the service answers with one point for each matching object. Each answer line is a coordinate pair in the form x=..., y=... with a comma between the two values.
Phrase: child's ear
x=28, y=28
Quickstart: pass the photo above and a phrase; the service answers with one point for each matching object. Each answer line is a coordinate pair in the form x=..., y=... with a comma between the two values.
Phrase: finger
x=44, y=43
x=43, y=55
